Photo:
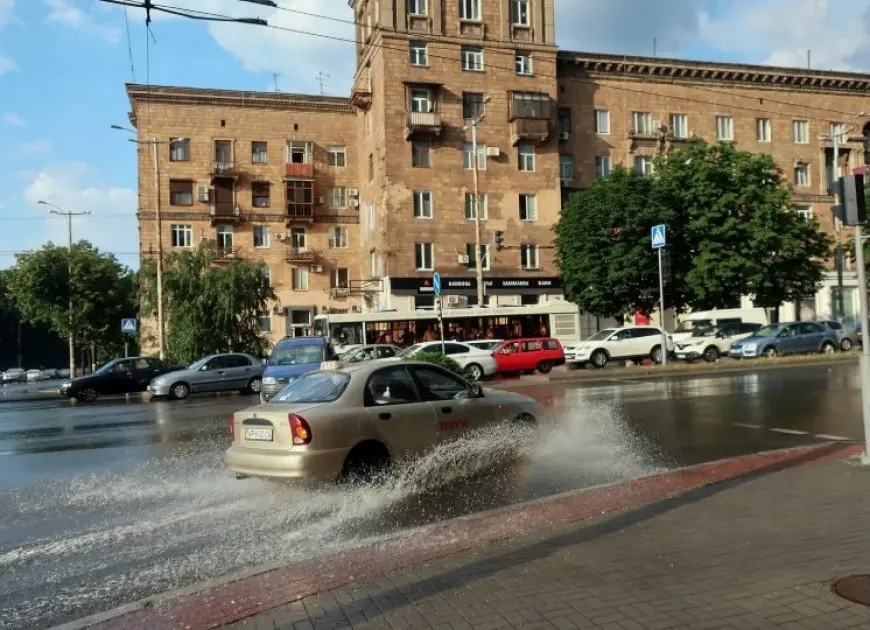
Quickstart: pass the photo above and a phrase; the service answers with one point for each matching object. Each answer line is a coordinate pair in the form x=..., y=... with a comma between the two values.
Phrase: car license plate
x=258, y=435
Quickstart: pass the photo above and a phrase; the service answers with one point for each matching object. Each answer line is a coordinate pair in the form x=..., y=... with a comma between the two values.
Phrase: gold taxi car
x=354, y=421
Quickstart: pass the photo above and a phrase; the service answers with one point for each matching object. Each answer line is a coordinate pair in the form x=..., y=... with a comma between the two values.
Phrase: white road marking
x=835, y=438
x=790, y=431
x=747, y=426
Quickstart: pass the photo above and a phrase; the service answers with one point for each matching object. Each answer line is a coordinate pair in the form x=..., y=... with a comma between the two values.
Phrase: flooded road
x=104, y=504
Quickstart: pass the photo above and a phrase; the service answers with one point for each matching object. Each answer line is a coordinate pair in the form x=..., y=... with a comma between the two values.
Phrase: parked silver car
x=215, y=373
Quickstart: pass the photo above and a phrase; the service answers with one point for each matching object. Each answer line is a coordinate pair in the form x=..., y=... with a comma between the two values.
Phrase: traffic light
x=852, y=209
x=498, y=240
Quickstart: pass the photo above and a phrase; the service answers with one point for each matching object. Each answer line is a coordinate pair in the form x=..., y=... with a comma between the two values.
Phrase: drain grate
x=855, y=588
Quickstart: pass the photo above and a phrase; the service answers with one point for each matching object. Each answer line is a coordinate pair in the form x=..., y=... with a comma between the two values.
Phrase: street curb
x=242, y=595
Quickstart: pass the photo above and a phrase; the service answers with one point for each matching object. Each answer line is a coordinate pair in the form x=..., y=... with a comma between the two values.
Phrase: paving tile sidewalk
x=757, y=552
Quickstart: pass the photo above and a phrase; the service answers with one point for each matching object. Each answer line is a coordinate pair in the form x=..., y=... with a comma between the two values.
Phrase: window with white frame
x=724, y=128
x=181, y=235
x=529, y=256
x=300, y=152
x=602, y=166
x=468, y=159
x=420, y=150
x=528, y=207
x=523, y=63
x=473, y=105
x=602, y=122
x=526, y=153
x=264, y=323
x=339, y=278
x=418, y=53
x=471, y=206
x=179, y=149
x=338, y=238
x=298, y=239
x=680, y=125
x=801, y=174
x=225, y=237
x=300, y=279
x=800, y=131
x=803, y=211
x=261, y=236
x=520, y=12
x=417, y=7
x=837, y=130
x=337, y=157
x=472, y=58
x=763, y=130
x=469, y=10
x=421, y=100
x=642, y=123
x=338, y=197
x=259, y=152
x=643, y=164
x=422, y=204
x=472, y=259
x=566, y=168
x=424, y=256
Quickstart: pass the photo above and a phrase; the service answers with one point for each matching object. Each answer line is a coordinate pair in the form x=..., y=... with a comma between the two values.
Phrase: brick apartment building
x=354, y=202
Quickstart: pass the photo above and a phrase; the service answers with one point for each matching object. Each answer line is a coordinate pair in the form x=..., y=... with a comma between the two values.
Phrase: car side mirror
x=204, y=368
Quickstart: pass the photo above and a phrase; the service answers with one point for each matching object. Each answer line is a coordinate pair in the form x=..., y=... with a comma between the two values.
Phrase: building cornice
x=656, y=69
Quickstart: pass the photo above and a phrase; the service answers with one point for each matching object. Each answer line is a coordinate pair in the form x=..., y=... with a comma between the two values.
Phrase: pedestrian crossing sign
x=128, y=326
x=658, y=236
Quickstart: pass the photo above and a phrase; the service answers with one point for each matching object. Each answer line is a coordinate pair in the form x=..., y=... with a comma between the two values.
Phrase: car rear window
x=316, y=387
x=298, y=354
x=551, y=344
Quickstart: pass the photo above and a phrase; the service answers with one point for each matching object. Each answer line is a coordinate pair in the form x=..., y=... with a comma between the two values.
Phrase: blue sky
x=63, y=65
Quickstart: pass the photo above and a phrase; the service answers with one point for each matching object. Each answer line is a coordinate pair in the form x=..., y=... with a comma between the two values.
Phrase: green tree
x=208, y=308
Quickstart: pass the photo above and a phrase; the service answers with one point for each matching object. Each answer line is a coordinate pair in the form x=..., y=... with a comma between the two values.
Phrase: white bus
x=560, y=320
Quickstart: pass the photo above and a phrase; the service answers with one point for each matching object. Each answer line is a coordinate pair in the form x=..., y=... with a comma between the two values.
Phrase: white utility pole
x=478, y=207
x=662, y=309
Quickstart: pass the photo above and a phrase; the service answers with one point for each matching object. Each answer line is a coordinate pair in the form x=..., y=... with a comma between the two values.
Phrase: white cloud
x=7, y=64
x=37, y=147
x=77, y=187
x=13, y=120
x=6, y=12
x=67, y=14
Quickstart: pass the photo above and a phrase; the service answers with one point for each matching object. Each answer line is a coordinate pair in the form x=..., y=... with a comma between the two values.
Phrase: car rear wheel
x=711, y=354
x=656, y=354
x=88, y=394
x=180, y=391
x=544, y=367
x=254, y=385
x=474, y=371
x=599, y=358
x=525, y=418
x=846, y=345
x=828, y=348
x=365, y=463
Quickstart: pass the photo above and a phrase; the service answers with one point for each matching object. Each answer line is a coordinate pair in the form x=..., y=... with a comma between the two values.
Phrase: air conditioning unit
x=493, y=152
x=278, y=310
x=202, y=193
x=340, y=292
x=319, y=200
x=564, y=135
x=463, y=259
x=457, y=301
x=316, y=269
x=353, y=203
x=279, y=236
x=353, y=192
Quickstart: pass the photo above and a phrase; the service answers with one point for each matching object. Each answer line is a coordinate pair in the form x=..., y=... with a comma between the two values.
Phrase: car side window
x=142, y=365
x=438, y=384
x=621, y=335
x=510, y=348
x=122, y=367
x=809, y=328
x=637, y=333
x=835, y=325
x=531, y=346
x=386, y=351
x=217, y=363
x=550, y=344
x=454, y=348
x=791, y=331
x=390, y=386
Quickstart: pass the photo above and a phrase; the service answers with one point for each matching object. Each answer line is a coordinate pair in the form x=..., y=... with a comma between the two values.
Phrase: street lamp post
x=53, y=209
x=478, y=254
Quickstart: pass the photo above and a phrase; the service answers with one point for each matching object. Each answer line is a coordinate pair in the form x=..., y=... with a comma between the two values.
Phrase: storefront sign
x=423, y=286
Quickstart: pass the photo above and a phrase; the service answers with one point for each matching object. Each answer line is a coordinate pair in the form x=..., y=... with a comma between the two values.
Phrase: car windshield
x=706, y=331
x=766, y=331
x=411, y=350
x=316, y=387
x=294, y=354
x=602, y=334
x=196, y=365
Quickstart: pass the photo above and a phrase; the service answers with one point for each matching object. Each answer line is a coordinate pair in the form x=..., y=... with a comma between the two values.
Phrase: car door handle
x=221, y=372
x=385, y=415
x=446, y=409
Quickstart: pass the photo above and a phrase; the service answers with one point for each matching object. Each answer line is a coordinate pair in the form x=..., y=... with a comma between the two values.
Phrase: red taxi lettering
x=453, y=425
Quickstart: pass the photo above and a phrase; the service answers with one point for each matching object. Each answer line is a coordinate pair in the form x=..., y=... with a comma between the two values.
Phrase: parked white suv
x=627, y=343
x=710, y=344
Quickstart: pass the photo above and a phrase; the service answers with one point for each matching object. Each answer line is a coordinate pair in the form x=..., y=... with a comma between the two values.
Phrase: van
x=700, y=320
x=291, y=358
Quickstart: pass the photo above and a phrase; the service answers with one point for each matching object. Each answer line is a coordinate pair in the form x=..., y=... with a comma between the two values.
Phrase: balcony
x=224, y=168
x=361, y=93
x=301, y=256
x=225, y=212
x=299, y=171
x=423, y=124
x=226, y=254
x=529, y=130
x=300, y=214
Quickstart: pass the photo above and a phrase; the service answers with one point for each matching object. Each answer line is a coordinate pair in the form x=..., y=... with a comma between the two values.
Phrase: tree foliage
x=448, y=363
x=208, y=308
x=731, y=232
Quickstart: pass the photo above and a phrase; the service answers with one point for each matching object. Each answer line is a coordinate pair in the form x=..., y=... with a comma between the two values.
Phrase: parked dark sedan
x=121, y=376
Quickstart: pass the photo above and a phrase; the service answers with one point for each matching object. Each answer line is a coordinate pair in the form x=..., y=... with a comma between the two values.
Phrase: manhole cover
x=855, y=588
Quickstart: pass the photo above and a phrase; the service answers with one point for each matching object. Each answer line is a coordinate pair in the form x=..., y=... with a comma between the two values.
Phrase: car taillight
x=232, y=427
x=301, y=430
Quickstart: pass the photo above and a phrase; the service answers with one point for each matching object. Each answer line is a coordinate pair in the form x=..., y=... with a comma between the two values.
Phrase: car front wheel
x=254, y=385
x=711, y=354
x=475, y=372
x=656, y=354
x=88, y=394
x=180, y=391
x=599, y=358
x=828, y=348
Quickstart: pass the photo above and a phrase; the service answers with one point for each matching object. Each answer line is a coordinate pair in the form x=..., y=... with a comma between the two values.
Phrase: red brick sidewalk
x=751, y=542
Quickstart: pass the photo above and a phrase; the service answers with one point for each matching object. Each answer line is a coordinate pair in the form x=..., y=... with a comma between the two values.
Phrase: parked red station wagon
x=528, y=355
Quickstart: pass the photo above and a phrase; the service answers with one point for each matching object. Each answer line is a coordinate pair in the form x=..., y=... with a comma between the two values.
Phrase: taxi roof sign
x=331, y=366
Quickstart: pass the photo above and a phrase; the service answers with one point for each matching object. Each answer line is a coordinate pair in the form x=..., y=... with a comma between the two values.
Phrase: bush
x=444, y=361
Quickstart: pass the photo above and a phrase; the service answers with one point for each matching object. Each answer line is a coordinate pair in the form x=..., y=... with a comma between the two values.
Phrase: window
x=530, y=105
x=300, y=279
x=225, y=237
x=469, y=10
x=467, y=156
x=179, y=149
x=259, y=154
x=337, y=157
x=418, y=54
x=680, y=125
x=724, y=128
x=642, y=123
x=260, y=194
x=338, y=197
x=471, y=207
x=526, y=154
x=643, y=164
x=472, y=105
x=390, y=386
x=528, y=208
x=422, y=204
x=300, y=198
x=472, y=58
x=421, y=100
x=472, y=259
x=338, y=238
x=424, y=301
x=801, y=131
x=762, y=130
x=264, y=323
x=420, y=150
x=602, y=122
x=801, y=174
x=520, y=12
x=566, y=168
x=181, y=235
x=836, y=130
x=523, y=63
x=602, y=166
x=804, y=212
x=299, y=152
x=261, y=236
x=223, y=152
x=298, y=239
x=339, y=278
x=417, y=7
x=529, y=256
x=424, y=256
x=180, y=192
x=564, y=116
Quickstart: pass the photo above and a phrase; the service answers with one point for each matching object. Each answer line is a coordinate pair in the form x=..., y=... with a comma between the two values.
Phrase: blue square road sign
x=128, y=326
x=658, y=234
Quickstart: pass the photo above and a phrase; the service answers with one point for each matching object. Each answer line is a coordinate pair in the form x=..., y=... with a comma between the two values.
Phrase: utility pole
x=478, y=257
x=321, y=79
x=69, y=266
x=275, y=76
